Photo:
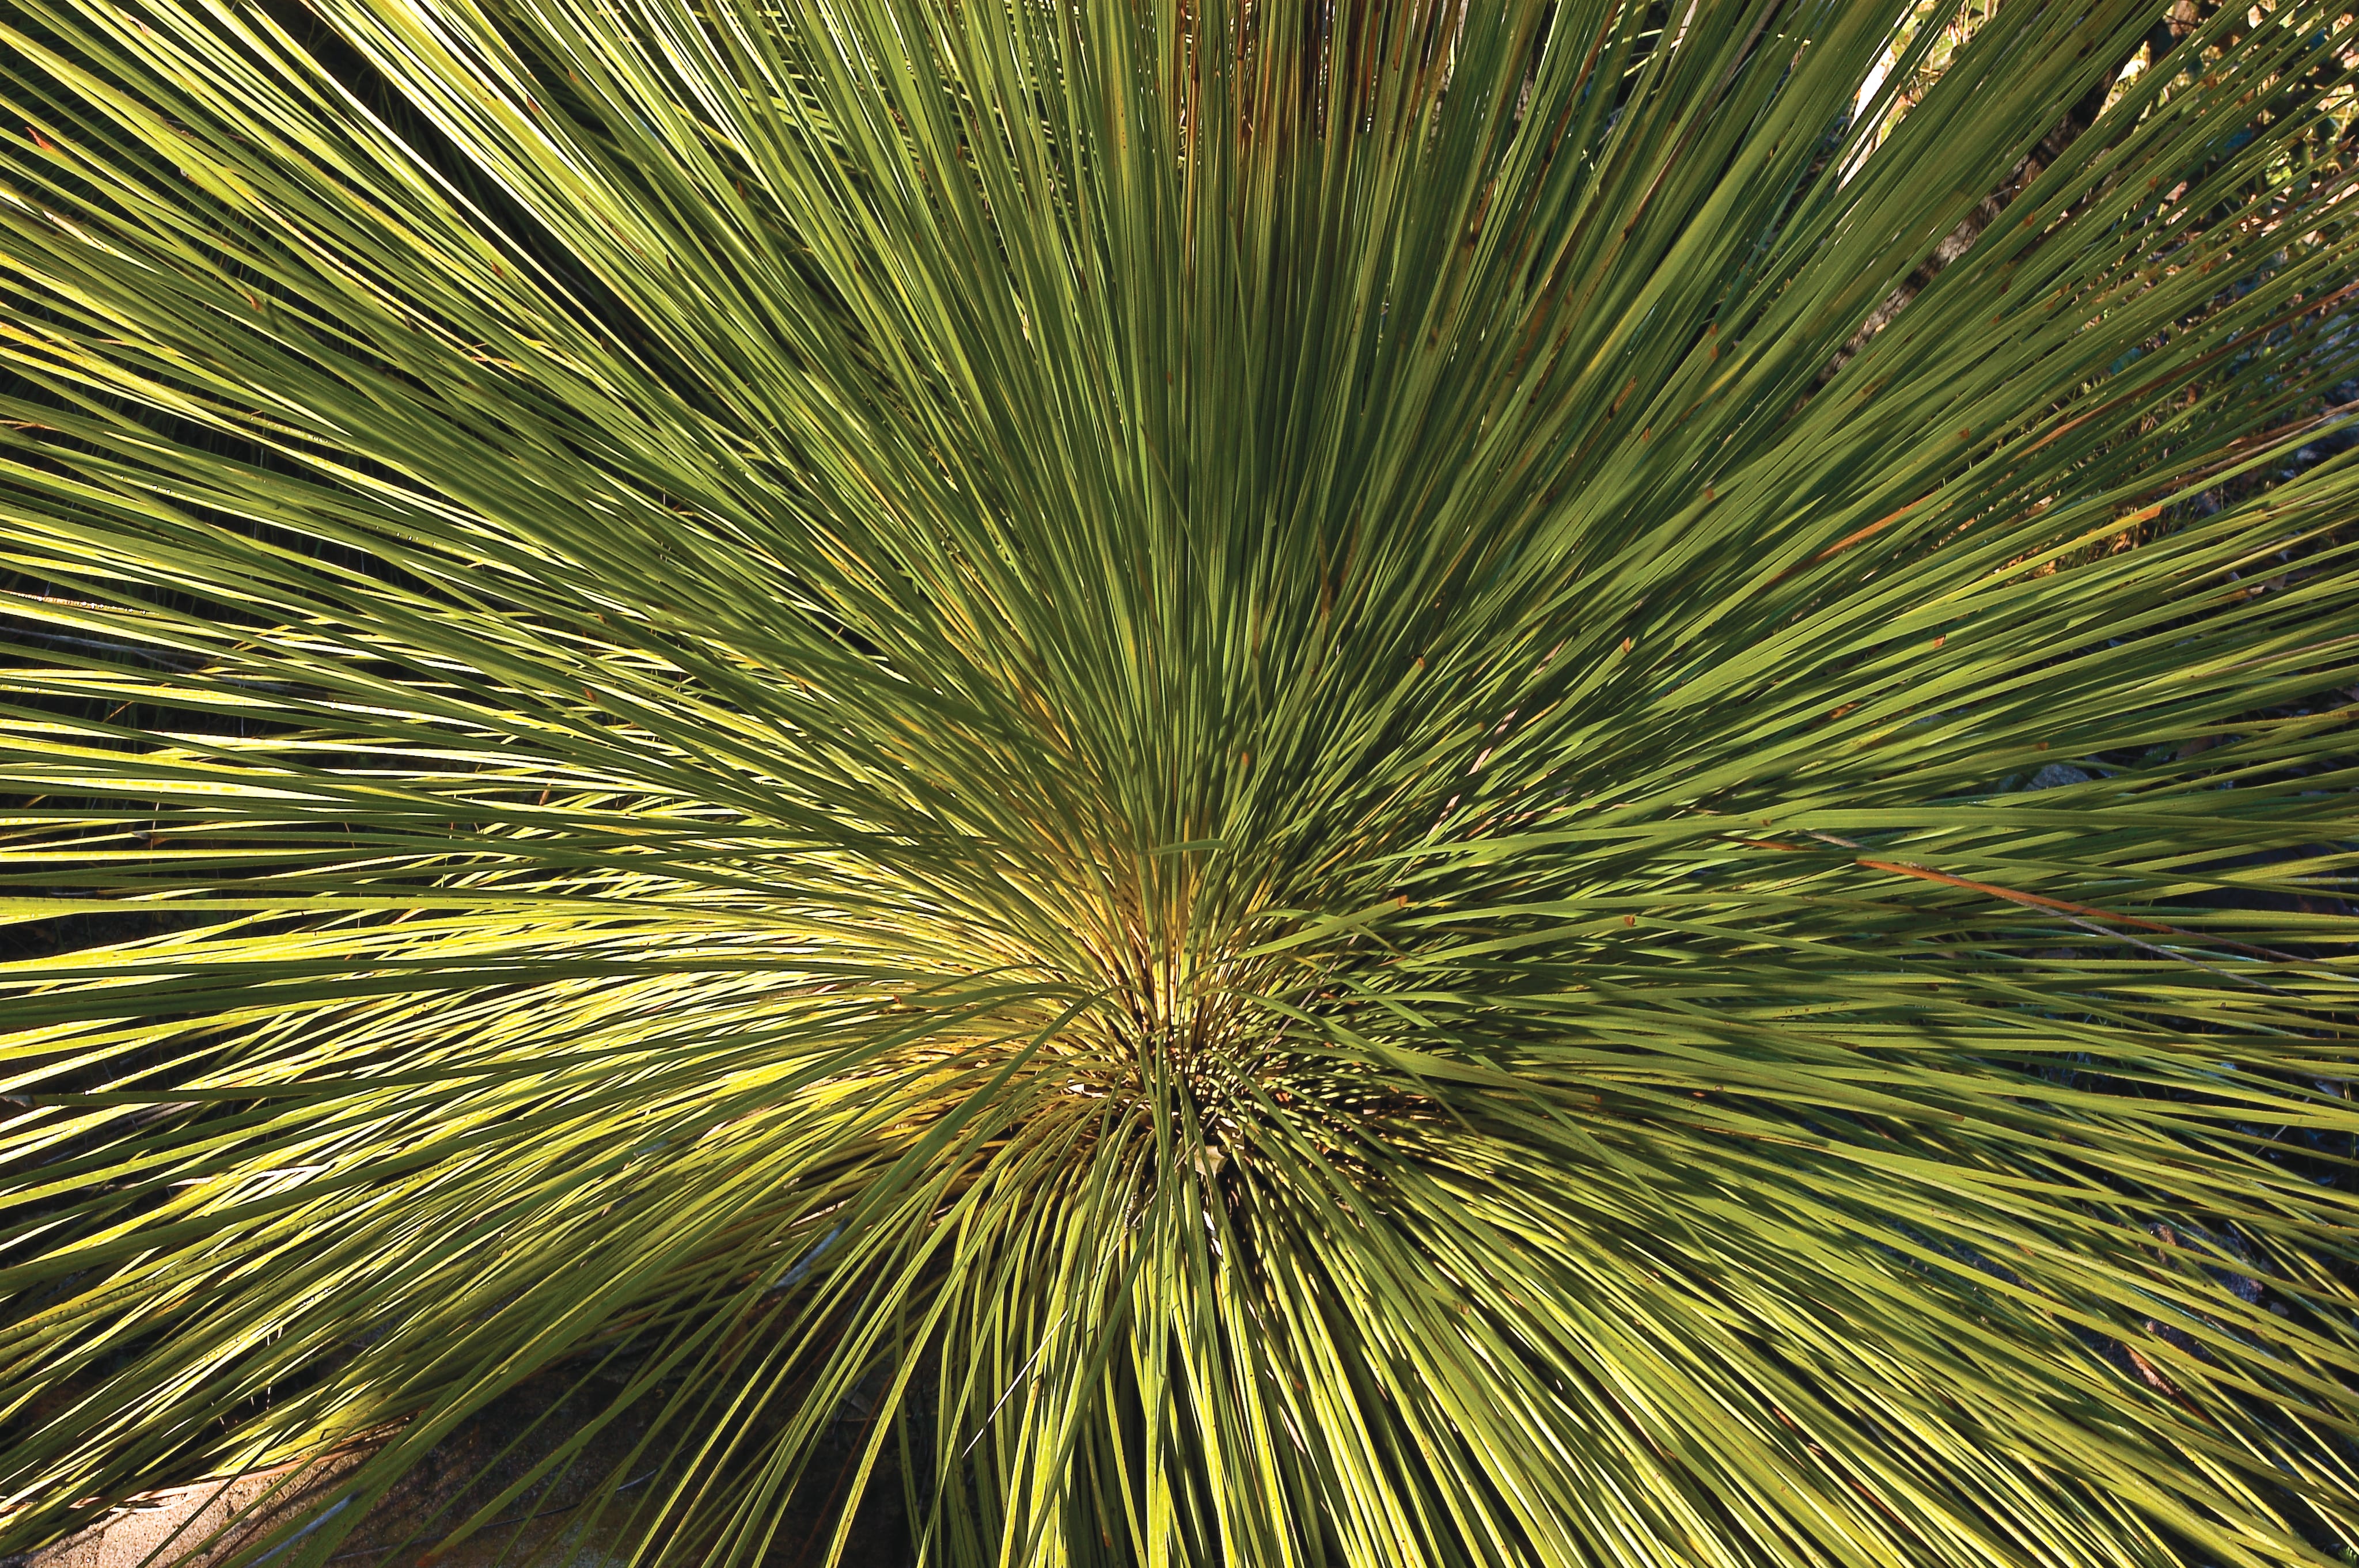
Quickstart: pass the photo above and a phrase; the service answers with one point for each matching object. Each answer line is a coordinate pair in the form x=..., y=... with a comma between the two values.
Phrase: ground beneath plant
x=469, y=1468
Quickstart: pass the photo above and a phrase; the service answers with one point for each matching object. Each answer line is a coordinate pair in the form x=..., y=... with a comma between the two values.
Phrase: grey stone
x=2056, y=773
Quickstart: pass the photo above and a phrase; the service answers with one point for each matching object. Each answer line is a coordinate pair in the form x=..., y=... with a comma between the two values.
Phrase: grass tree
x=1242, y=753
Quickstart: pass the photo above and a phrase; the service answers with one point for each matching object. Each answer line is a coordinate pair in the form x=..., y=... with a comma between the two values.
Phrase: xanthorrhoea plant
x=1194, y=736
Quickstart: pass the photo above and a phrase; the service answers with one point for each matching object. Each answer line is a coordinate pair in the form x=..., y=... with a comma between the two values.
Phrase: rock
x=2056, y=773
